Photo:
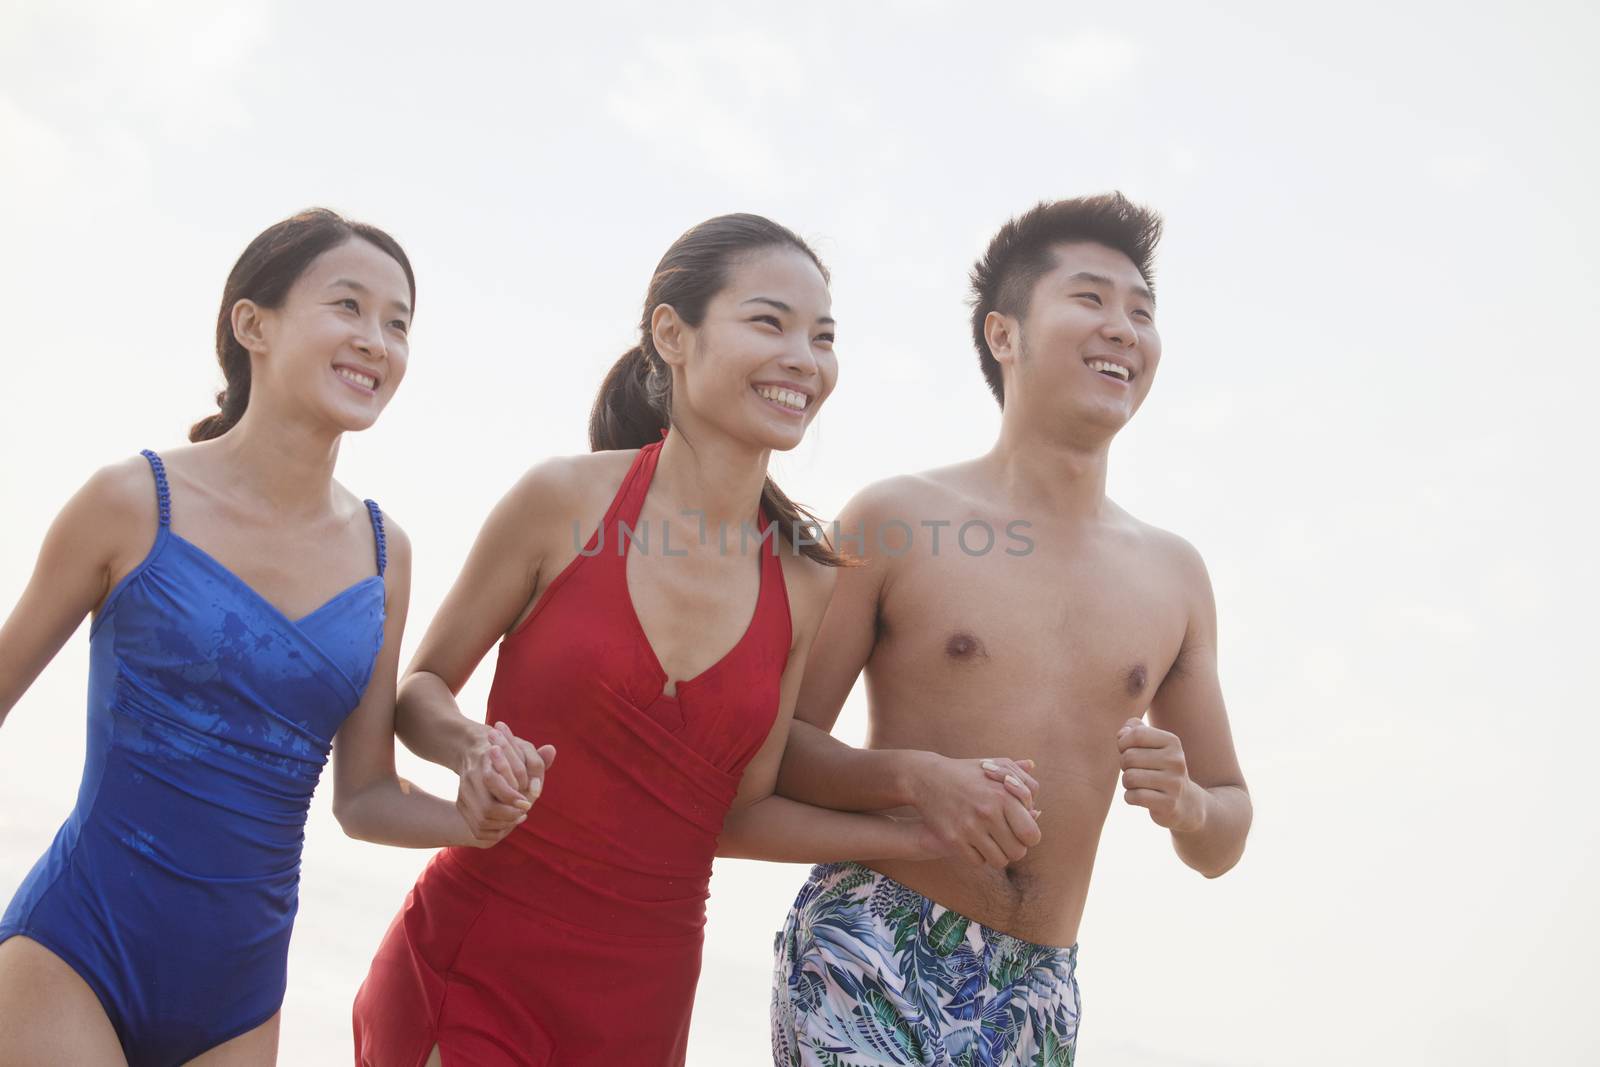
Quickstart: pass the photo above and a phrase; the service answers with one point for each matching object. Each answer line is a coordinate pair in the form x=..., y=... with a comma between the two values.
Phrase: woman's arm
x=501, y=775
x=105, y=530
x=370, y=799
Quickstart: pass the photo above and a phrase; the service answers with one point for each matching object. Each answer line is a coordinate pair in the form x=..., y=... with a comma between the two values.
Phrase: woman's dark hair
x=1023, y=251
x=266, y=271
x=634, y=404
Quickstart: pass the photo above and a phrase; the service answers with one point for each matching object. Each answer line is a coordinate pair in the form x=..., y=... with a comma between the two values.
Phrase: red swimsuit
x=576, y=940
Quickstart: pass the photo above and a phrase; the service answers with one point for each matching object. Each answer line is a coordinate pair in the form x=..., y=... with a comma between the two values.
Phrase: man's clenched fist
x=1156, y=776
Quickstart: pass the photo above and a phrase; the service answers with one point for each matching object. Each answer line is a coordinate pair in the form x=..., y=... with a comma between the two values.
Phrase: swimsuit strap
x=629, y=501
x=163, y=497
x=377, y=532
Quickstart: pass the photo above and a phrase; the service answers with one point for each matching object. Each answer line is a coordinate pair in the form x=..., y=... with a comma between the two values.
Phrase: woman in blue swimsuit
x=247, y=619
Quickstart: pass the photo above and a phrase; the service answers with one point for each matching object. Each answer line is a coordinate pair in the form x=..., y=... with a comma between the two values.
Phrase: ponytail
x=235, y=397
x=634, y=402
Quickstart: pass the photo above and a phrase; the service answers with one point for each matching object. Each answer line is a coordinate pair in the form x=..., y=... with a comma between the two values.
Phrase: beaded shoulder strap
x=163, y=497
x=377, y=534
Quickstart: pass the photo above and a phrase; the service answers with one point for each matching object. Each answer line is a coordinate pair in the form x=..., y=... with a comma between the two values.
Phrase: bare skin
x=35, y=986
x=1055, y=642
x=262, y=501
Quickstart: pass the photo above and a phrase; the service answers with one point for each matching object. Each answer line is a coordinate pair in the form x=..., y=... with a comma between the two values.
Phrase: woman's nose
x=799, y=358
x=370, y=341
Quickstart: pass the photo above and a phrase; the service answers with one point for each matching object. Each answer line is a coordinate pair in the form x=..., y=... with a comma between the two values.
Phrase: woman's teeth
x=787, y=397
x=366, y=381
x=1116, y=370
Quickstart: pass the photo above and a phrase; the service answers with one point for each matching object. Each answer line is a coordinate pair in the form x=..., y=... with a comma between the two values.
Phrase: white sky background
x=1373, y=414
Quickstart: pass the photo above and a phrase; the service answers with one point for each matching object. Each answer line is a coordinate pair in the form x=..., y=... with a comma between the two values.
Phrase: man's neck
x=1052, y=475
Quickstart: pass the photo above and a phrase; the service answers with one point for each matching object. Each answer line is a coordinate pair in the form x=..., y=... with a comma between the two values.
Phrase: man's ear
x=249, y=326
x=1004, y=337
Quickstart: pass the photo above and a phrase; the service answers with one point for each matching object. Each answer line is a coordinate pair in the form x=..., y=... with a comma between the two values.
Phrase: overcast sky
x=1373, y=415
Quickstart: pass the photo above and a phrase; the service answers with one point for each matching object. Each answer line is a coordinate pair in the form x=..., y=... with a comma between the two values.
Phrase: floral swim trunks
x=870, y=972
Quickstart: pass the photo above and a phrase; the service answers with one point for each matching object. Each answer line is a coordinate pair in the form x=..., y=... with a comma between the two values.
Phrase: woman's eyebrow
x=781, y=306
x=351, y=283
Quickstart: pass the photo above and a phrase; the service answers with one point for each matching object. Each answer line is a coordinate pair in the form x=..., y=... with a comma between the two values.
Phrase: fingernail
x=1036, y=815
x=524, y=803
x=521, y=817
x=1012, y=779
x=990, y=765
x=536, y=787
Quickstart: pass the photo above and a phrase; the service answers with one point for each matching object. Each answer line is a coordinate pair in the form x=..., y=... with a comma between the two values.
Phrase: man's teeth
x=787, y=397
x=1107, y=367
x=366, y=381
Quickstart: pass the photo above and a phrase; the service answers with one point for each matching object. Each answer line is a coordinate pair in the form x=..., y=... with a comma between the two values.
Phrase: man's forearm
x=820, y=769
x=1213, y=847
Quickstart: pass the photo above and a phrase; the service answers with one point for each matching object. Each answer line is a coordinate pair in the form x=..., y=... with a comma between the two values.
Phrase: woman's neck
x=713, y=477
x=286, y=464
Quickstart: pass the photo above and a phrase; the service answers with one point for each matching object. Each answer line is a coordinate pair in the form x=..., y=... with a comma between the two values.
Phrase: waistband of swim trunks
x=834, y=872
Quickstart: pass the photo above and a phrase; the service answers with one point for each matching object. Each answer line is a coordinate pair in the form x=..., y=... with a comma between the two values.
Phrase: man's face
x=1087, y=347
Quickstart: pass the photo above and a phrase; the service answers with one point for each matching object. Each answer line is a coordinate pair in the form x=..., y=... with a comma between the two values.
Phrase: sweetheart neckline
x=233, y=575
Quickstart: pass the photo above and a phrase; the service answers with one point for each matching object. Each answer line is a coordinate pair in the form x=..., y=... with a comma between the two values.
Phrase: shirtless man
x=1006, y=605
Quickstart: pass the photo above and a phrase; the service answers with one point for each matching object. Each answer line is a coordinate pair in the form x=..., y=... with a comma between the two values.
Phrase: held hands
x=979, y=809
x=501, y=776
x=1156, y=776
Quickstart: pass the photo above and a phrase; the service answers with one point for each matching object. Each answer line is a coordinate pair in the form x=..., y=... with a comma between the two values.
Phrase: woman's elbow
x=351, y=815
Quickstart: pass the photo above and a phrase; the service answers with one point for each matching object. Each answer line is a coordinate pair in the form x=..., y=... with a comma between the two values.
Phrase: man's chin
x=1102, y=420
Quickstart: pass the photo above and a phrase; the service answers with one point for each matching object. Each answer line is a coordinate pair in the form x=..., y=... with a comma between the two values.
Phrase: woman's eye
x=350, y=302
x=1089, y=296
x=1147, y=316
x=400, y=325
x=769, y=320
x=824, y=338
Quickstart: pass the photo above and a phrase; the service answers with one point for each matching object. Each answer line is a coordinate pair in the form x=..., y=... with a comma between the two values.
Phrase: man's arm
x=1182, y=766
x=964, y=802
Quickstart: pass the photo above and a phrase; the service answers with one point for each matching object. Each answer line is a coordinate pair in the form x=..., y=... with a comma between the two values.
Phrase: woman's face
x=761, y=362
x=337, y=348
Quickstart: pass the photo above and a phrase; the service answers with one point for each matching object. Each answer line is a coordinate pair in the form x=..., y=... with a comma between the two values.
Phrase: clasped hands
x=501, y=776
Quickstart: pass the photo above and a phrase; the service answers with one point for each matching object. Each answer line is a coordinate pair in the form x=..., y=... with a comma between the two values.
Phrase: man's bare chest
x=1096, y=631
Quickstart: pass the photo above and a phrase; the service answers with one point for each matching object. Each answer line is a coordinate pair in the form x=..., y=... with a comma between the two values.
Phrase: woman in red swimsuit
x=661, y=656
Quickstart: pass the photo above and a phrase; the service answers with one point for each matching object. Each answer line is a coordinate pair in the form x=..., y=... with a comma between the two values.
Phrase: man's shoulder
x=1157, y=543
x=906, y=496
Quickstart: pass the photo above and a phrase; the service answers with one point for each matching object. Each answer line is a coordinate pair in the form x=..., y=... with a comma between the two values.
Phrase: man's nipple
x=964, y=646
x=1135, y=679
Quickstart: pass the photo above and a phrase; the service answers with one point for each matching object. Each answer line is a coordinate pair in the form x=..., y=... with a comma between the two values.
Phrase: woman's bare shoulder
x=570, y=484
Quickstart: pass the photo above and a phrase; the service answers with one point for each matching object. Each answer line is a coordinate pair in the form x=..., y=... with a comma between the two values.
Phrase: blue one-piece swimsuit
x=172, y=887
